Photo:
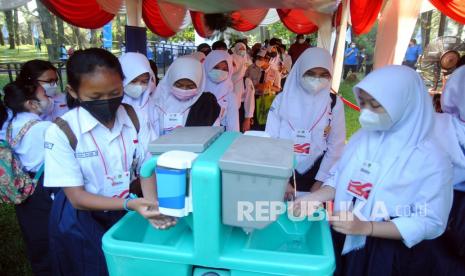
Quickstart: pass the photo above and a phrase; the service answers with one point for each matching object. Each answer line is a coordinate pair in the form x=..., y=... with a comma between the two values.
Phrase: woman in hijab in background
x=307, y=113
x=219, y=69
x=180, y=99
x=139, y=91
x=244, y=91
x=450, y=133
x=392, y=186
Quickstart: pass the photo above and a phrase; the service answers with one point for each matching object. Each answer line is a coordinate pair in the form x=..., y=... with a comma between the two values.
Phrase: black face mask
x=102, y=110
x=273, y=54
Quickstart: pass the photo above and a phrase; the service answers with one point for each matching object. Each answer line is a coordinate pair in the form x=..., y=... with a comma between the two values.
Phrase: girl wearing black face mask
x=93, y=154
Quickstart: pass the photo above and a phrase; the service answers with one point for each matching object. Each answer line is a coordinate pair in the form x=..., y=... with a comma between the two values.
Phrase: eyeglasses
x=55, y=81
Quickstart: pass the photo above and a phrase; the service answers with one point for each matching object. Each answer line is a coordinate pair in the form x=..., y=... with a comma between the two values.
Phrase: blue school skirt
x=384, y=257
x=450, y=247
x=76, y=238
x=32, y=217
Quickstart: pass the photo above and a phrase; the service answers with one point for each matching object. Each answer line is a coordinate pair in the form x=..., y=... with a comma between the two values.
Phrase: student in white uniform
x=218, y=67
x=139, y=92
x=393, y=178
x=92, y=154
x=450, y=133
x=310, y=115
x=180, y=99
x=244, y=91
x=45, y=74
x=25, y=134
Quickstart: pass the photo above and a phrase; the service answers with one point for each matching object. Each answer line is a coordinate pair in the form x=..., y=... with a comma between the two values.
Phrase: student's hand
x=349, y=224
x=144, y=207
x=305, y=206
x=289, y=195
x=163, y=222
x=316, y=186
x=246, y=124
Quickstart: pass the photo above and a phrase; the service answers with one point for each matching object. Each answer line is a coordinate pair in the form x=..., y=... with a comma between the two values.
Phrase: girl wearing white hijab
x=240, y=49
x=313, y=118
x=450, y=133
x=180, y=99
x=219, y=68
x=139, y=88
x=244, y=91
x=392, y=186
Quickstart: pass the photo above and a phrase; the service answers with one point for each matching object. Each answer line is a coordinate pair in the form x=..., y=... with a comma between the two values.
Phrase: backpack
x=16, y=185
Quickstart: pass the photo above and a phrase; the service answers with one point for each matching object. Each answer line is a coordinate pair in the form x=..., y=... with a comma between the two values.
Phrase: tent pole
x=134, y=12
x=340, y=46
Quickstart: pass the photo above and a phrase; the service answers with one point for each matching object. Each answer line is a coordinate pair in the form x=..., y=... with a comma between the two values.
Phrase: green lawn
x=14, y=260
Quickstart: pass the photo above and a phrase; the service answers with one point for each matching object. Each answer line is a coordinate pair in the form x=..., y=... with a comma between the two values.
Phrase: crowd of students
x=96, y=137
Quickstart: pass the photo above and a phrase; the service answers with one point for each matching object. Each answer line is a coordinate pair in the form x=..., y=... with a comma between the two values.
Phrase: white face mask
x=45, y=106
x=217, y=76
x=352, y=46
x=242, y=53
x=134, y=90
x=375, y=121
x=301, y=41
x=314, y=85
x=259, y=63
x=50, y=89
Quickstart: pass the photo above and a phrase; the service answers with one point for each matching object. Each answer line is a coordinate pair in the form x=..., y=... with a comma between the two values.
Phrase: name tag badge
x=116, y=185
x=172, y=121
x=302, y=142
x=361, y=184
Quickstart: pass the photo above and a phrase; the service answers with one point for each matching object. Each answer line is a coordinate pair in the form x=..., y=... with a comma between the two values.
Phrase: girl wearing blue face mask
x=219, y=68
x=392, y=187
x=307, y=113
x=180, y=99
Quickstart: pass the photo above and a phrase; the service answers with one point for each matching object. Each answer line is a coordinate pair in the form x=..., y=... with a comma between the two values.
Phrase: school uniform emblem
x=302, y=148
x=359, y=190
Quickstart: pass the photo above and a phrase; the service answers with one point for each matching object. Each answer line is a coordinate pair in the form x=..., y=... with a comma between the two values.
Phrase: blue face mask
x=217, y=76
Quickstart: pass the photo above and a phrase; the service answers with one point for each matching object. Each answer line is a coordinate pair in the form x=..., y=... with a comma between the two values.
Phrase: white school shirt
x=59, y=108
x=5, y=124
x=247, y=96
x=66, y=168
x=333, y=144
x=30, y=149
x=446, y=136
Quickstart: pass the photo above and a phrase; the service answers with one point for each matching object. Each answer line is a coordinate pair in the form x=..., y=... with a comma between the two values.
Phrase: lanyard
x=103, y=158
x=315, y=124
x=224, y=96
x=164, y=112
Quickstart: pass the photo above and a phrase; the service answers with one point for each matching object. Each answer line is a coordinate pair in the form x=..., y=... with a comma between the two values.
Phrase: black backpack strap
x=64, y=126
x=132, y=115
x=333, y=100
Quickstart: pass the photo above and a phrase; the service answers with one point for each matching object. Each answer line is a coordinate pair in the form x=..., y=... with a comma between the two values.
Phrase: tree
x=10, y=28
x=426, y=19
x=442, y=25
x=185, y=35
x=277, y=29
x=49, y=30
x=60, y=31
x=16, y=26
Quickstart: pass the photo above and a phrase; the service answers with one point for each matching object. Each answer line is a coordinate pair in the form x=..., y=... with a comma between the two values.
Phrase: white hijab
x=297, y=106
x=134, y=65
x=185, y=67
x=451, y=125
x=220, y=90
x=401, y=152
x=238, y=77
x=301, y=109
